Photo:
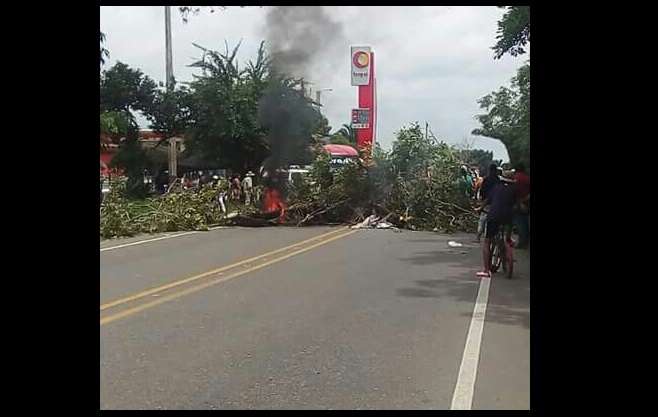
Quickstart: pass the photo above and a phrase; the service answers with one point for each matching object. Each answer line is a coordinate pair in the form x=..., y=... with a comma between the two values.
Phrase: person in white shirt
x=247, y=187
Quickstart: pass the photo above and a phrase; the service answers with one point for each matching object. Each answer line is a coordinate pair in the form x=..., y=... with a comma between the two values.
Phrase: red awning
x=340, y=150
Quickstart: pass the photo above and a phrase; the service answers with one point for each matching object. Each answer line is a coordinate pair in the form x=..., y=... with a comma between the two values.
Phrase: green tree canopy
x=513, y=31
x=122, y=91
x=114, y=124
x=125, y=89
x=478, y=157
x=338, y=139
x=507, y=116
x=322, y=127
x=170, y=112
x=346, y=135
x=224, y=106
x=185, y=11
x=104, y=53
x=243, y=115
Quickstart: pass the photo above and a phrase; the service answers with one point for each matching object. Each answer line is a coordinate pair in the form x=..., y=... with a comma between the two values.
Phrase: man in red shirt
x=522, y=216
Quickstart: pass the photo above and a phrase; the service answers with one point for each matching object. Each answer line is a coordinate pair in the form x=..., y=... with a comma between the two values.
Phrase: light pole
x=318, y=95
x=169, y=75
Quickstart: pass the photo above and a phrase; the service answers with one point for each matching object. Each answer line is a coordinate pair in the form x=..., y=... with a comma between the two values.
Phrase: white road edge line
x=147, y=241
x=462, y=398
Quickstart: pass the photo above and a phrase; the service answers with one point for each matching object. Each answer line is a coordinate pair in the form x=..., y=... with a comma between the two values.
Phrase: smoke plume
x=299, y=36
x=299, y=40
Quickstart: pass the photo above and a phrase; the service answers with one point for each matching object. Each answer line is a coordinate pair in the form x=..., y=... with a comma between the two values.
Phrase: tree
x=513, y=31
x=185, y=11
x=413, y=151
x=427, y=174
x=122, y=91
x=508, y=116
x=125, y=89
x=113, y=126
x=346, y=135
x=481, y=158
x=170, y=113
x=322, y=127
x=103, y=52
x=224, y=106
x=290, y=120
x=338, y=139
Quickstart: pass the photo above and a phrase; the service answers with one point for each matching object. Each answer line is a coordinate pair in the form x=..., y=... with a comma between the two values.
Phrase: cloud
x=432, y=63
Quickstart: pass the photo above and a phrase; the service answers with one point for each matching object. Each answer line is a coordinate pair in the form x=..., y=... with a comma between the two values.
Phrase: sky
x=432, y=62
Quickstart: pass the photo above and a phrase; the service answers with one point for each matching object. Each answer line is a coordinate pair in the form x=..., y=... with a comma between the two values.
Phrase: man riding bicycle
x=487, y=185
x=500, y=201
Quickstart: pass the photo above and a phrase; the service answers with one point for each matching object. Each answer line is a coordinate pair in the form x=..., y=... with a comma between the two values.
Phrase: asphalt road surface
x=310, y=318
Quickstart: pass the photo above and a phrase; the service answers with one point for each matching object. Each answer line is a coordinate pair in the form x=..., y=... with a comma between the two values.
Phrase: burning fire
x=273, y=202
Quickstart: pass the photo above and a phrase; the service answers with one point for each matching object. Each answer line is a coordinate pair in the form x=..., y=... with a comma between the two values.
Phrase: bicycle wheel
x=496, y=255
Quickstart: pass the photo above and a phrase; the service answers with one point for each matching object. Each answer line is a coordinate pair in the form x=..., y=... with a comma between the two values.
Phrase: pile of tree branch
x=417, y=186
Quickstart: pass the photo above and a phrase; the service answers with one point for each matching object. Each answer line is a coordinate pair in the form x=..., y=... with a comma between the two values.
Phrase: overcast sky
x=432, y=63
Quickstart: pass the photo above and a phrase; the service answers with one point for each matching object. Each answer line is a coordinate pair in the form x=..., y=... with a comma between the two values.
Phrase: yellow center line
x=142, y=307
x=208, y=273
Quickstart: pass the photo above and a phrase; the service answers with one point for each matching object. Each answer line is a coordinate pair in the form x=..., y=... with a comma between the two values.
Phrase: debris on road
x=368, y=222
x=454, y=244
x=374, y=222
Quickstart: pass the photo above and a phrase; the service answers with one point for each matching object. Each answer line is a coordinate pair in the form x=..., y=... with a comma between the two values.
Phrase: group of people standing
x=471, y=180
x=195, y=180
x=242, y=190
x=238, y=190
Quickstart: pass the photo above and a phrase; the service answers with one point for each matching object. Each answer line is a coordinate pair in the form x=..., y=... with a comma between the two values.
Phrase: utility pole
x=169, y=74
x=318, y=96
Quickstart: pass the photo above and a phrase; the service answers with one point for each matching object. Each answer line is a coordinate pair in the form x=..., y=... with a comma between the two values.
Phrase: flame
x=273, y=202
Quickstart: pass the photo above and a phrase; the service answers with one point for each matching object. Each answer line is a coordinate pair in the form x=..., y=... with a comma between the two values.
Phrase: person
x=161, y=182
x=222, y=192
x=500, y=199
x=468, y=180
x=522, y=212
x=186, y=181
x=206, y=178
x=235, y=188
x=478, y=184
x=247, y=187
x=488, y=183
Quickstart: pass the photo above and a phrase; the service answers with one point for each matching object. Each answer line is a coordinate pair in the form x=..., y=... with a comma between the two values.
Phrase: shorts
x=494, y=226
x=482, y=222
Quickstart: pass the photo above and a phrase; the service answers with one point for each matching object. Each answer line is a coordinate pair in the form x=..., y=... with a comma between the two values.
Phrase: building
x=147, y=138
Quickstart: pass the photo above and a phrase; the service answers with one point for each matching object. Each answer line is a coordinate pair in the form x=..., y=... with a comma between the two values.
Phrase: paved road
x=367, y=320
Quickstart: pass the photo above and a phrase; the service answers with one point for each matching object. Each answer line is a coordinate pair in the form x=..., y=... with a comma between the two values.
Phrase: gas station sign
x=360, y=65
x=360, y=118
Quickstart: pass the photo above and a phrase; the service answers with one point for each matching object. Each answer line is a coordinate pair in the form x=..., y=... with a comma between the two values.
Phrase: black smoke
x=298, y=39
x=289, y=119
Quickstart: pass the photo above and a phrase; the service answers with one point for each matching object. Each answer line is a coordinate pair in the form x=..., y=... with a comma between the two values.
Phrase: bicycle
x=502, y=252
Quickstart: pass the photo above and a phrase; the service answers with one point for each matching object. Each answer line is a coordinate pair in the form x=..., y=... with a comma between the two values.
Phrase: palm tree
x=103, y=51
x=348, y=133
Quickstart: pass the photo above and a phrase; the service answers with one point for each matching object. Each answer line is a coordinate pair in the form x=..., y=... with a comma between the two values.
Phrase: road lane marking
x=462, y=398
x=160, y=238
x=200, y=287
x=147, y=241
x=212, y=272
